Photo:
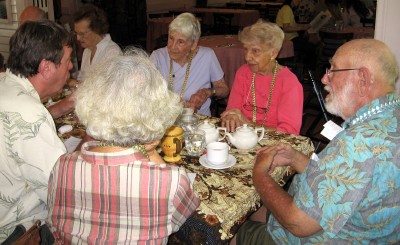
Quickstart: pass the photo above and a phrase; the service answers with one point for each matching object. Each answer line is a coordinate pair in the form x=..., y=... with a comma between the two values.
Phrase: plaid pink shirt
x=109, y=198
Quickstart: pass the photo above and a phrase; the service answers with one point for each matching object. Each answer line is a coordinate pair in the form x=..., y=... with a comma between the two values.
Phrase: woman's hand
x=199, y=98
x=233, y=118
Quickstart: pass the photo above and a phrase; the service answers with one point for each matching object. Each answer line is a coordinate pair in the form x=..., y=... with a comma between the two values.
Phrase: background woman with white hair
x=191, y=71
x=264, y=93
x=119, y=185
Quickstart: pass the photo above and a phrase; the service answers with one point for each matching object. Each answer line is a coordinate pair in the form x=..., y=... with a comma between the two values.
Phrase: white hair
x=188, y=25
x=263, y=32
x=126, y=101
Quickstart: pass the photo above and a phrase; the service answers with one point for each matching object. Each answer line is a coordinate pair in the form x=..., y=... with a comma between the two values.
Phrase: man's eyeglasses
x=328, y=72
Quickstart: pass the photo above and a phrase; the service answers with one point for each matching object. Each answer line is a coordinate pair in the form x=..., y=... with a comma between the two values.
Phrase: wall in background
x=386, y=26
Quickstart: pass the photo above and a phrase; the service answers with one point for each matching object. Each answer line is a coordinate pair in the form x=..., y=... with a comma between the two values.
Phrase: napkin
x=71, y=143
x=191, y=176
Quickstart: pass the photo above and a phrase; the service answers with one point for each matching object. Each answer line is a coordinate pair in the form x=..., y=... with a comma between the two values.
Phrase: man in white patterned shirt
x=38, y=67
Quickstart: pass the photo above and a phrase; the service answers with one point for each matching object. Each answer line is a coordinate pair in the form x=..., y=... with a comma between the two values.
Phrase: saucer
x=229, y=163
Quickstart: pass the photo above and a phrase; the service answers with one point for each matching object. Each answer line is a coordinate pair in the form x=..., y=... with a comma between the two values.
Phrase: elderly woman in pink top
x=264, y=93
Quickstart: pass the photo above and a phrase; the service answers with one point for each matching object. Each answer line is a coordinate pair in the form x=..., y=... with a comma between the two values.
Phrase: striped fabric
x=110, y=198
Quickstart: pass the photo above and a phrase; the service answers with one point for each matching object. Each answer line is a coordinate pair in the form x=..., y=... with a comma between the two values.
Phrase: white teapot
x=212, y=133
x=245, y=137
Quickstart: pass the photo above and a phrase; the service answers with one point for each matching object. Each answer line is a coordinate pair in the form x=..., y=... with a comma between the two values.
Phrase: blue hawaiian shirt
x=353, y=190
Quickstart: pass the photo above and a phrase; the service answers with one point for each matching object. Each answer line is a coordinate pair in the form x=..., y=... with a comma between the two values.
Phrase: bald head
x=374, y=55
x=32, y=13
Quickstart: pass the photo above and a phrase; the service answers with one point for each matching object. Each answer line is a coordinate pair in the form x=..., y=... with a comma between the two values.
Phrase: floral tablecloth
x=227, y=195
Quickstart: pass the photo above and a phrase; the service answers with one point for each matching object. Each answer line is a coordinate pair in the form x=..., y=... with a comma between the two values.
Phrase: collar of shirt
x=114, y=158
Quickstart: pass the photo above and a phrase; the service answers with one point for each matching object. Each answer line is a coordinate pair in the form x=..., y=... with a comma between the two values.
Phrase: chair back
x=46, y=5
x=161, y=41
x=231, y=5
x=272, y=12
x=330, y=42
x=314, y=112
x=223, y=24
x=159, y=15
x=368, y=22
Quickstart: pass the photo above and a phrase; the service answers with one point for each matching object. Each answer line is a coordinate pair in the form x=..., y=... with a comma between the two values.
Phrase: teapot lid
x=174, y=131
x=206, y=125
x=244, y=129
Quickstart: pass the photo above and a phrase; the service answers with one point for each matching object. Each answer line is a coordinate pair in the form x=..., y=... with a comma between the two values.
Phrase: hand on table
x=264, y=160
x=233, y=118
x=284, y=155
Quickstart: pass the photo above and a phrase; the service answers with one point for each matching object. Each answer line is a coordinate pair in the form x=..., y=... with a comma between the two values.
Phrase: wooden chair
x=367, y=22
x=45, y=5
x=159, y=15
x=223, y=24
x=233, y=5
x=252, y=6
x=314, y=112
x=271, y=12
x=161, y=41
x=330, y=42
x=259, y=7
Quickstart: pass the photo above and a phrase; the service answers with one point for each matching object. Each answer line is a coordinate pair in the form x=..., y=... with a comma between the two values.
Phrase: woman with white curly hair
x=118, y=189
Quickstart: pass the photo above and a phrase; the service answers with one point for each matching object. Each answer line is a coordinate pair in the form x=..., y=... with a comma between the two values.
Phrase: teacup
x=217, y=153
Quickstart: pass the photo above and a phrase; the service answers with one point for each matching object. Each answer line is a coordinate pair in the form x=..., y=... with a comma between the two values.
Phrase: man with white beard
x=351, y=191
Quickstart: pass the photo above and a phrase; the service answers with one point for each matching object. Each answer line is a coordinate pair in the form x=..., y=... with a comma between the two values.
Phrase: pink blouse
x=286, y=109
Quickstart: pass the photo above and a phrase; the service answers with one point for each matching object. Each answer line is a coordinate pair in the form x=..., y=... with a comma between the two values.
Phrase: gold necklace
x=271, y=89
x=171, y=80
x=139, y=148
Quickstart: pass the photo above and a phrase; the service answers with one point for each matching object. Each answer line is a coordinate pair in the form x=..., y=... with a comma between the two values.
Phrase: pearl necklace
x=171, y=80
x=271, y=89
x=373, y=111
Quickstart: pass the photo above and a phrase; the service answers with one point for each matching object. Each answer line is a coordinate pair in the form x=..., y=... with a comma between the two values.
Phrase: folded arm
x=279, y=202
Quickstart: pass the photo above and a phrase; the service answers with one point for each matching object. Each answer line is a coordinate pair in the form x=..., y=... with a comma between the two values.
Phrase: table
x=230, y=53
x=241, y=17
x=227, y=196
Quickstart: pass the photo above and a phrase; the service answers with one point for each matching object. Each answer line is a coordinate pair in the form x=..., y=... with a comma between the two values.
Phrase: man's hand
x=285, y=155
x=264, y=160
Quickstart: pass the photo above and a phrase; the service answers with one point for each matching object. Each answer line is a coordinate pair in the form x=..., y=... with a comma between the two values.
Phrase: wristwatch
x=213, y=92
